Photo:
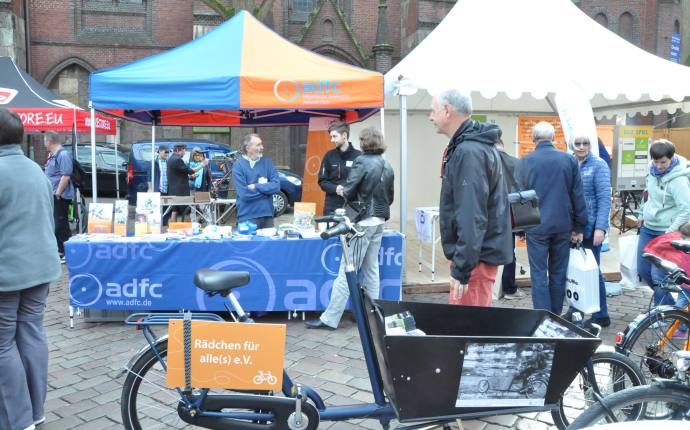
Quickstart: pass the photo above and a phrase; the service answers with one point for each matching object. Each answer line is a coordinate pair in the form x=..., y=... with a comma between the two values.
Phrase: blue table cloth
x=285, y=274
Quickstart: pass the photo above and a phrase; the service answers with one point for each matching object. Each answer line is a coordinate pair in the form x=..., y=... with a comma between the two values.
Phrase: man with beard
x=336, y=165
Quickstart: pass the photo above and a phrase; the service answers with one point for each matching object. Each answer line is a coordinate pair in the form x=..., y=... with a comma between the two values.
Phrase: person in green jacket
x=665, y=209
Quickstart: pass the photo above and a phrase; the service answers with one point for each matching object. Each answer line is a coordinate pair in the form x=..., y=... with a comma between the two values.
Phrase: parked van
x=138, y=173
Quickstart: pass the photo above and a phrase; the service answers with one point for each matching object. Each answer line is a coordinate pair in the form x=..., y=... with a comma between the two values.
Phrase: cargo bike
x=416, y=381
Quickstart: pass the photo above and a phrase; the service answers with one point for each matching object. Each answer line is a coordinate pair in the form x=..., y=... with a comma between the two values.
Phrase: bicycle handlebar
x=677, y=275
x=329, y=218
x=342, y=228
x=681, y=245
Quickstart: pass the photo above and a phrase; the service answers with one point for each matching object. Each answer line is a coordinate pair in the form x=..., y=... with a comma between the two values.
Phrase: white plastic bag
x=627, y=247
x=582, y=281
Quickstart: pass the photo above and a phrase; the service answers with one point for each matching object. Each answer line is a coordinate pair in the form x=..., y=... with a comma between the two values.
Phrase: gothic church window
x=625, y=26
x=602, y=19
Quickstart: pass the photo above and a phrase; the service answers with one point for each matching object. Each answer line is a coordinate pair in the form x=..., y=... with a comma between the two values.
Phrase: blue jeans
x=651, y=275
x=644, y=267
x=548, y=263
x=596, y=250
x=508, y=278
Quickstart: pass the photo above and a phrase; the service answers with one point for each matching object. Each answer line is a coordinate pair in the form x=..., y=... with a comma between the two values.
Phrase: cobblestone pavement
x=85, y=368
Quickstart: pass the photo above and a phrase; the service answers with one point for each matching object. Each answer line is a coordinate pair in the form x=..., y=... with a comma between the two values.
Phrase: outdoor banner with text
x=577, y=118
x=318, y=143
x=228, y=355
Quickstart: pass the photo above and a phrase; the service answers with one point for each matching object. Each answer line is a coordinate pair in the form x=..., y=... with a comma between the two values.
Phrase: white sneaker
x=41, y=421
x=515, y=296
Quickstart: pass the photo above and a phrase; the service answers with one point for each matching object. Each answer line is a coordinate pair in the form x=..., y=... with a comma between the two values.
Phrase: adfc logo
x=289, y=90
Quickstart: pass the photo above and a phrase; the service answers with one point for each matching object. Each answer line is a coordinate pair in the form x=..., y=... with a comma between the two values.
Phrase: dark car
x=219, y=155
x=108, y=163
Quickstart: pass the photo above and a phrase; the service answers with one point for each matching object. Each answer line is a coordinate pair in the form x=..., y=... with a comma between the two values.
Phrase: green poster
x=641, y=144
x=628, y=157
x=480, y=118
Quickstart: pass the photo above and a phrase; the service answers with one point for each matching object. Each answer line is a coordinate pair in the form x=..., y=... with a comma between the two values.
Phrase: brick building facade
x=61, y=41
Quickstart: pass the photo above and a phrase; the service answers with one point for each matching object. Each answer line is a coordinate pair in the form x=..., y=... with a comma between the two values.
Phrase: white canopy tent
x=515, y=56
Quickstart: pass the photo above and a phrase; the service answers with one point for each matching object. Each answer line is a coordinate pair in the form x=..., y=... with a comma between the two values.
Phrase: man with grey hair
x=58, y=170
x=256, y=180
x=555, y=177
x=475, y=226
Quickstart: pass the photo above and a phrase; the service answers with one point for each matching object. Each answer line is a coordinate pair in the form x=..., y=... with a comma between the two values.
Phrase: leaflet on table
x=148, y=214
x=100, y=218
x=304, y=215
x=120, y=219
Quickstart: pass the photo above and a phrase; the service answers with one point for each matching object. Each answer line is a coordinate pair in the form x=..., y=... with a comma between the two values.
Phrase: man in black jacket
x=178, y=178
x=336, y=165
x=473, y=212
x=555, y=177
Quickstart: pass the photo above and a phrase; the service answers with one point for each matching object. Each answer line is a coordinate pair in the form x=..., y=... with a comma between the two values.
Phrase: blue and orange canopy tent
x=240, y=74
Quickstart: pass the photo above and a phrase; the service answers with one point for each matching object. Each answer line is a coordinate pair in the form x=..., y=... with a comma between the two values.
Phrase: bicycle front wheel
x=647, y=402
x=613, y=372
x=652, y=343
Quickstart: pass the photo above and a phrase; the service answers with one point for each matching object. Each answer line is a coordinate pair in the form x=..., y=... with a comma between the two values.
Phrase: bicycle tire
x=637, y=404
x=130, y=392
x=612, y=365
x=642, y=343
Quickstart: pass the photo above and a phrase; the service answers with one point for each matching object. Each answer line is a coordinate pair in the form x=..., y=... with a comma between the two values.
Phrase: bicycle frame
x=381, y=409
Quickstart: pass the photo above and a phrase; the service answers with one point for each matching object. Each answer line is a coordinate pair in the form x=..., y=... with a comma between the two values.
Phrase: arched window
x=676, y=26
x=72, y=84
x=328, y=30
x=625, y=26
x=602, y=19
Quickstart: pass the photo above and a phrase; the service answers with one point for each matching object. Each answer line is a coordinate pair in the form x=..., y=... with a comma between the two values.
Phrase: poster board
x=631, y=157
x=318, y=143
x=120, y=218
x=148, y=214
x=100, y=218
x=228, y=355
x=524, y=137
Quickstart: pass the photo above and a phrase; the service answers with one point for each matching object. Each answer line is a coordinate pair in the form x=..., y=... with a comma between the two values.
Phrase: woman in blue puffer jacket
x=596, y=185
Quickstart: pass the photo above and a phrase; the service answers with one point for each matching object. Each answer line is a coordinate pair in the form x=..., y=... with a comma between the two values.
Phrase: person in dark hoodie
x=473, y=211
x=336, y=165
x=555, y=177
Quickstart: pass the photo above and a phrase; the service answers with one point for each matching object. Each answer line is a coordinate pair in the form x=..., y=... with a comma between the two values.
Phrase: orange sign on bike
x=228, y=355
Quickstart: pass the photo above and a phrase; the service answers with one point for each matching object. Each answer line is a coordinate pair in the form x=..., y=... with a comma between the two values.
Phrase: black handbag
x=524, y=205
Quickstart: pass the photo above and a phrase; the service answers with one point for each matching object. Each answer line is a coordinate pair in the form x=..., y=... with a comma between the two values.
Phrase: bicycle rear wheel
x=146, y=402
x=613, y=372
x=652, y=343
x=647, y=402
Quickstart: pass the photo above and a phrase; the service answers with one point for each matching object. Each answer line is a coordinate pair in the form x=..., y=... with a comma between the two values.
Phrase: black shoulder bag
x=524, y=205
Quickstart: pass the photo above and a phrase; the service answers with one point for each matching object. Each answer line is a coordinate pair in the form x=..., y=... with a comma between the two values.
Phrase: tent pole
x=383, y=124
x=403, y=168
x=153, y=156
x=117, y=167
x=94, y=189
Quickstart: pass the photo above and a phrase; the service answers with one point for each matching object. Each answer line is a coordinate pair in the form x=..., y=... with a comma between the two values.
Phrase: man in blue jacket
x=555, y=177
x=256, y=180
x=596, y=185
